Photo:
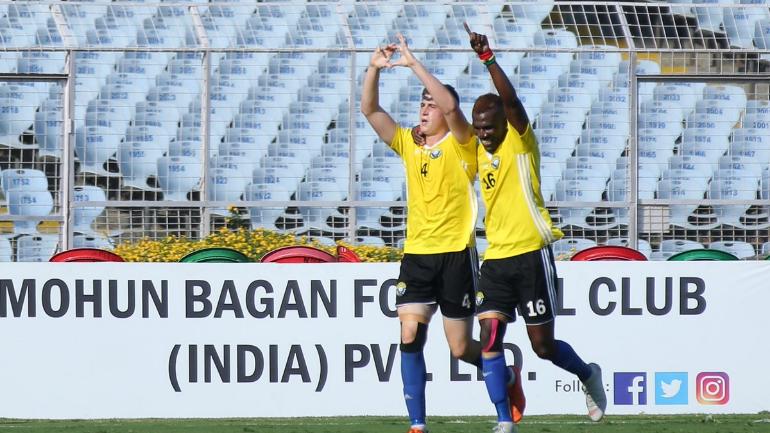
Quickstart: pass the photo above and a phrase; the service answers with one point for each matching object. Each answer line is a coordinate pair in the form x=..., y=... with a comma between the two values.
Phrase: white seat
x=368, y=218
x=84, y=216
x=178, y=175
x=739, y=24
x=28, y=203
x=92, y=241
x=704, y=142
x=291, y=171
x=17, y=113
x=753, y=143
x=681, y=189
x=36, y=248
x=550, y=173
x=643, y=246
x=757, y=120
x=265, y=217
x=227, y=184
x=23, y=179
x=317, y=218
x=749, y=166
x=742, y=250
x=138, y=162
x=725, y=111
x=567, y=247
x=554, y=144
x=577, y=191
x=669, y=247
x=728, y=189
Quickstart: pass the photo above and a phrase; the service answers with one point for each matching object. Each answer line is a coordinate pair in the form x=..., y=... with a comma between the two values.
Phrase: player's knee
x=544, y=349
x=492, y=333
x=459, y=349
x=413, y=336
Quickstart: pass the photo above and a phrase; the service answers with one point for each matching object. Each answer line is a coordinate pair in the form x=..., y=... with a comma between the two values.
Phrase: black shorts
x=526, y=281
x=446, y=279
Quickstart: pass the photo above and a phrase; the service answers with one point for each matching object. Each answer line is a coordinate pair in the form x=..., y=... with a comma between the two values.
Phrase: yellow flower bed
x=253, y=243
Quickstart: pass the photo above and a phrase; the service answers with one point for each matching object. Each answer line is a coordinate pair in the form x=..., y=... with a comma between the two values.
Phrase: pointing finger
x=467, y=29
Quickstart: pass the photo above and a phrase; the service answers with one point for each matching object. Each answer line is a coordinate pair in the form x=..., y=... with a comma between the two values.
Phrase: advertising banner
x=115, y=340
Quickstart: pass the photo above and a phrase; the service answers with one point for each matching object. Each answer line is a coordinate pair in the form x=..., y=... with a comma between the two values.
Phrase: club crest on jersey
x=479, y=298
x=400, y=288
x=435, y=154
x=496, y=162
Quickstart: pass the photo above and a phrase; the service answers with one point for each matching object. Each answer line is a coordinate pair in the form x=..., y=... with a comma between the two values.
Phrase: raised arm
x=444, y=100
x=381, y=122
x=514, y=109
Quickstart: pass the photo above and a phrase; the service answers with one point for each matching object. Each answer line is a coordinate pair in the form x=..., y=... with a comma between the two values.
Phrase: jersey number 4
x=424, y=169
x=489, y=181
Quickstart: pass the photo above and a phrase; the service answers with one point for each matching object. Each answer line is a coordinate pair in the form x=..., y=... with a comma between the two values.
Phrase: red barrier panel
x=86, y=255
x=608, y=252
x=298, y=254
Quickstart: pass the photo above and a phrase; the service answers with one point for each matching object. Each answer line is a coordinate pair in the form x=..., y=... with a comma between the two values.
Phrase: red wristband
x=486, y=55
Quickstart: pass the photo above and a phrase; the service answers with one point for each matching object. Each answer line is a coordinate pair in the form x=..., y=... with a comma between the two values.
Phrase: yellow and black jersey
x=440, y=197
x=516, y=221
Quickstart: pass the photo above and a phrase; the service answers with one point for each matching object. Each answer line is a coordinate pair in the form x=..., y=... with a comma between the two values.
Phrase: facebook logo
x=631, y=388
x=670, y=388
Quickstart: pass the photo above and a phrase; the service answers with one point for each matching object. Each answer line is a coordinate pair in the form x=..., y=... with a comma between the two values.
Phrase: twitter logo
x=670, y=388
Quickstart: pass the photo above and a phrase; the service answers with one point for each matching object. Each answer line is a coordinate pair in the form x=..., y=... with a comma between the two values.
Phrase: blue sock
x=496, y=377
x=567, y=359
x=413, y=376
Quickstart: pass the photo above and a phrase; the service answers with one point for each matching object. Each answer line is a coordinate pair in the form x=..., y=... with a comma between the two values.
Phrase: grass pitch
x=531, y=424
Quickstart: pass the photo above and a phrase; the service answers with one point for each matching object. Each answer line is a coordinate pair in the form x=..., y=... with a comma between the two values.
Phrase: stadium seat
x=23, y=179
x=754, y=143
x=227, y=184
x=178, y=175
x=732, y=189
x=138, y=162
x=669, y=247
x=643, y=246
x=566, y=247
x=739, y=24
x=17, y=113
x=554, y=144
x=683, y=188
x=92, y=241
x=742, y=250
x=368, y=218
x=28, y=203
x=318, y=218
x=84, y=216
x=748, y=166
x=550, y=173
x=757, y=120
x=262, y=216
x=578, y=191
x=36, y=248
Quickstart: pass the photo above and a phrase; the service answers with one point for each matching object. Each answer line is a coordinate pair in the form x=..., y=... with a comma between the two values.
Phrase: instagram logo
x=712, y=388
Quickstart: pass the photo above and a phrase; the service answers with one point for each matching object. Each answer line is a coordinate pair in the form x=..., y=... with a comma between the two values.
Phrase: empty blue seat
x=178, y=176
x=28, y=203
x=84, y=216
x=36, y=248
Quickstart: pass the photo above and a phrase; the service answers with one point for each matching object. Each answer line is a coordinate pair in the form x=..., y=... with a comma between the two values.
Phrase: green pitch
x=531, y=424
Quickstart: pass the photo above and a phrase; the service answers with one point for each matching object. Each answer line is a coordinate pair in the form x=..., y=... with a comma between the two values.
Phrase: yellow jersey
x=441, y=201
x=516, y=221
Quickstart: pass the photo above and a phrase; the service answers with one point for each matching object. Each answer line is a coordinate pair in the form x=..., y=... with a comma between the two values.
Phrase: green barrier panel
x=701, y=254
x=215, y=255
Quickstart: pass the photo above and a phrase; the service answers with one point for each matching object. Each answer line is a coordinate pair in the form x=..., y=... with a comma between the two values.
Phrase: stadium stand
x=278, y=94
